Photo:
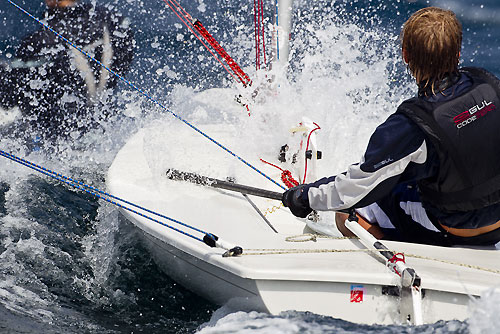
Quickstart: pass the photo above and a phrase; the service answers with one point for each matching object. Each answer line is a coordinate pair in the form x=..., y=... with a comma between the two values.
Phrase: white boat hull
x=380, y=303
x=333, y=277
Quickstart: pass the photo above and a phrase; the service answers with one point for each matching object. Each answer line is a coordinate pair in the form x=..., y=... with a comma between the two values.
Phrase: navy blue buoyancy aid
x=465, y=132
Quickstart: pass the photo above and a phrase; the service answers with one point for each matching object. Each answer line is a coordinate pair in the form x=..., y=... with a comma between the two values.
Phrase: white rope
x=313, y=237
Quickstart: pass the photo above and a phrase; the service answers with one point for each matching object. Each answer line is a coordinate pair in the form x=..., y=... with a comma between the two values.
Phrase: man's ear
x=405, y=56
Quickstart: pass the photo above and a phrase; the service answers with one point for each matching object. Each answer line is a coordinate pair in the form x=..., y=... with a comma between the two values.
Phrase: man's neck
x=60, y=3
x=437, y=86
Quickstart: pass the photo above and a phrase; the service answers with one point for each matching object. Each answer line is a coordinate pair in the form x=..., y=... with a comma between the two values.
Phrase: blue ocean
x=70, y=264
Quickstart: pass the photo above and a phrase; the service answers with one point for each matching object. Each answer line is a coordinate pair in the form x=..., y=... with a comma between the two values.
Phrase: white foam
x=484, y=313
x=252, y=322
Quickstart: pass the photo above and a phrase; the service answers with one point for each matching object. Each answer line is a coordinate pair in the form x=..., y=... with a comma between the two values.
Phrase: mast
x=282, y=31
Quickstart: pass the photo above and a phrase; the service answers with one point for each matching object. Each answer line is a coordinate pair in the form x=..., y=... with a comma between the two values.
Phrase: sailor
x=53, y=84
x=431, y=171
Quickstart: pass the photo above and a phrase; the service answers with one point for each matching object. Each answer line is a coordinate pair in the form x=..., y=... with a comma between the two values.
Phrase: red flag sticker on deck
x=357, y=293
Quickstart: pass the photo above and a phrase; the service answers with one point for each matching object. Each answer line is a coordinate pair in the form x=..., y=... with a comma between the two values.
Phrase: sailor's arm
x=397, y=152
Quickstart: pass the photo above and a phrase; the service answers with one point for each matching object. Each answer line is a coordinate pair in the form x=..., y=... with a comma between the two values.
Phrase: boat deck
x=279, y=256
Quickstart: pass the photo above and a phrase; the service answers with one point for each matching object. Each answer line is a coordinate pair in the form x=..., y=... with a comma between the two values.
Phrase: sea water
x=69, y=264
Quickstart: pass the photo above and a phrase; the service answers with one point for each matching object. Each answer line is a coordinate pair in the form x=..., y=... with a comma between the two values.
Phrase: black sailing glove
x=292, y=200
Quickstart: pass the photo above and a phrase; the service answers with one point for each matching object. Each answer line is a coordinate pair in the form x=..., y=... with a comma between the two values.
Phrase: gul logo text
x=473, y=114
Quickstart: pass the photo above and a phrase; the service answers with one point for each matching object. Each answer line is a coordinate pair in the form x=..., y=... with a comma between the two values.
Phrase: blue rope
x=103, y=195
x=45, y=170
x=145, y=94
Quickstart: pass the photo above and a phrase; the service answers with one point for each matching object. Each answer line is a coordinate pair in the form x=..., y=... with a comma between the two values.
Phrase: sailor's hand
x=292, y=199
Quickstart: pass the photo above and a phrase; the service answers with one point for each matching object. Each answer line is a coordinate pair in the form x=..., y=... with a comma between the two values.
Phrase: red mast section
x=242, y=76
x=205, y=37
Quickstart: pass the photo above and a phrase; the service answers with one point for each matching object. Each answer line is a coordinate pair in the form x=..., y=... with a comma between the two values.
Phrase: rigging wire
x=148, y=96
x=260, y=42
x=186, y=18
x=263, y=34
x=256, y=35
x=244, y=78
x=276, y=25
x=209, y=239
x=98, y=193
x=193, y=25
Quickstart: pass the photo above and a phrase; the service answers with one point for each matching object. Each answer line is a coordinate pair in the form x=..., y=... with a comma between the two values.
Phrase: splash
x=343, y=75
x=343, y=79
x=483, y=315
x=300, y=322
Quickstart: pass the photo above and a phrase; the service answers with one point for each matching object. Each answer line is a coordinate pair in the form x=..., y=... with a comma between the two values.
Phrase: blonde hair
x=431, y=41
